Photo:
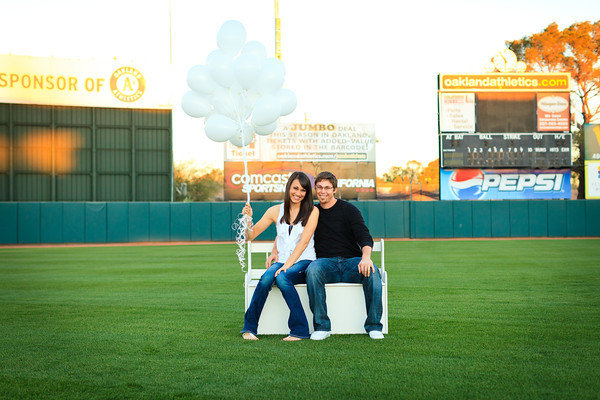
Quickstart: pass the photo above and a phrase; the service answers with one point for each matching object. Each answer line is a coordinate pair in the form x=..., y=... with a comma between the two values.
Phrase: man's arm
x=358, y=227
x=366, y=266
x=363, y=238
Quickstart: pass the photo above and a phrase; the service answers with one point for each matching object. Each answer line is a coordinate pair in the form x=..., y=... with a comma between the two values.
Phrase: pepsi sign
x=478, y=184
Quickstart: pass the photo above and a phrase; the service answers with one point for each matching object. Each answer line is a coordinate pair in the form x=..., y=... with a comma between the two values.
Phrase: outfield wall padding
x=119, y=222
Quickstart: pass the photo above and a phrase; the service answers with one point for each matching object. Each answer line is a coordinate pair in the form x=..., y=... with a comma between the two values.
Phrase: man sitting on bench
x=343, y=245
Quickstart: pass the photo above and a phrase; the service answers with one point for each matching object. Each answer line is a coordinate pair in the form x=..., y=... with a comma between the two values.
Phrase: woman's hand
x=282, y=269
x=273, y=257
x=247, y=210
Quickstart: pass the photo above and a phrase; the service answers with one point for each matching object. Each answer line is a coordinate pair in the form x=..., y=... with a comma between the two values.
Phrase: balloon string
x=243, y=222
x=246, y=169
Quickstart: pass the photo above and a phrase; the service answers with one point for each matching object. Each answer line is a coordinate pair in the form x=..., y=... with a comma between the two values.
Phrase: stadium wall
x=119, y=222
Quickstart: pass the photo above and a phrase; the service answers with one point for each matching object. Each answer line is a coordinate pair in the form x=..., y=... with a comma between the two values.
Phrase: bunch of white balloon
x=239, y=95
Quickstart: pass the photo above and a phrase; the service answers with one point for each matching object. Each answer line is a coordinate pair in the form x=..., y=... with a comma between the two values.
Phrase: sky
x=347, y=61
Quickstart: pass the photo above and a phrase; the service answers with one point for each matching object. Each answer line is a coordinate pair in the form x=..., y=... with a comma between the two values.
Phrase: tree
x=431, y=173
x=196, y=183
x=411, y=173
x=393, y=174
x=576, y=50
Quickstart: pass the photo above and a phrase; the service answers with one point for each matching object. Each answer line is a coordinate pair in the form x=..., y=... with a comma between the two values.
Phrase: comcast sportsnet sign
x=267, y=180
x=68, y=82
x=505, y=82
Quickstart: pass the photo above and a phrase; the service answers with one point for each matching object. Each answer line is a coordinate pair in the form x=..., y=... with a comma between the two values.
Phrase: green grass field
x=467, y=319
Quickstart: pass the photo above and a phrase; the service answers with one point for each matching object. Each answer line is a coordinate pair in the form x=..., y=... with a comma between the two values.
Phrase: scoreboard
x=505, y=150
x=504, y=135
x=504, y=121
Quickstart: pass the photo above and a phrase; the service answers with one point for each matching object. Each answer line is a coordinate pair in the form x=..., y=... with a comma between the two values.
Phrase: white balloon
x=220, y=128
x=248, y=99
x=231, y=37
x=265, y=130
x=199, y=79
x=224, y=104
x=220, y=66
x=272, y=76
x=195, y=105
x=243, y=137
x=288, y=101
x=247, y=69
x=212, y=54
x=254, y=48
x=266, y=110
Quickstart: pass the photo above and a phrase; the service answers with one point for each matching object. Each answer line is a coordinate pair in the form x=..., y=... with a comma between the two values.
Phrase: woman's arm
x=309, y=230
x=274, y=256
x=267, y=219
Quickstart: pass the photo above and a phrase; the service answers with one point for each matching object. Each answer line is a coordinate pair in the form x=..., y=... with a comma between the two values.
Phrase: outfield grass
x=467, y=320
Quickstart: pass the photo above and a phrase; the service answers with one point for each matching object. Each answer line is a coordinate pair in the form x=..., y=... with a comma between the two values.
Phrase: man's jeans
x=338, y=269
x=285, y=282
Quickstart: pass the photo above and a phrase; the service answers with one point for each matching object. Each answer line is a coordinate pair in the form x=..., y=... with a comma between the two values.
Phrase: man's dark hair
x=326, y=175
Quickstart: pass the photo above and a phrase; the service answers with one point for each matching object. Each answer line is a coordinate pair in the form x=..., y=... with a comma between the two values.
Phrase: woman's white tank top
x=287, y=240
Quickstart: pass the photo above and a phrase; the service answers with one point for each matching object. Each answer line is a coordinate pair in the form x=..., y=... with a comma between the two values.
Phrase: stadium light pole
x=277, y=31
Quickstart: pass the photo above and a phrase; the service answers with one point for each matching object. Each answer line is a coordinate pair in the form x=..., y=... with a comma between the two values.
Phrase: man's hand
x=273, y=257
x=365, y=266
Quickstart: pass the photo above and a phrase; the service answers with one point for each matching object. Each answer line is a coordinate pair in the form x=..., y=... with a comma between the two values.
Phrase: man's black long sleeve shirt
x=341, y=231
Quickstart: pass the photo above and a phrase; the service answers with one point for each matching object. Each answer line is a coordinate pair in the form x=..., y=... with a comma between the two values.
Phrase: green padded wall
x=114, y=222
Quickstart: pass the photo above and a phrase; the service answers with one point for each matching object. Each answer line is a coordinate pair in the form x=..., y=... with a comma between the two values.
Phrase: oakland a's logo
x=127, y=84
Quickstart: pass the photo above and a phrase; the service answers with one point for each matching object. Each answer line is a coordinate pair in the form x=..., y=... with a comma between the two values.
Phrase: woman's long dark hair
x=307, y=203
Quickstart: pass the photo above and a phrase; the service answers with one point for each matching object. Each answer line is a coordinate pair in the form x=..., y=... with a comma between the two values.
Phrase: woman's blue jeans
x=285, y=282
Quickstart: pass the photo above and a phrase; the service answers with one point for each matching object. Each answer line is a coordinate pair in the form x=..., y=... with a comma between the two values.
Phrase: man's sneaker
x=374, y=335
x=319, y=335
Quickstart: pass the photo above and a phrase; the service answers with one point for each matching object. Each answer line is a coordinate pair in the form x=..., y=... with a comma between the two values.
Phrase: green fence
x=52, y=153
x=115, y=222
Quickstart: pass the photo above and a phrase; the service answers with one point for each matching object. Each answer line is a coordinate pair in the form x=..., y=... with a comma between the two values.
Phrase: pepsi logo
x=465, y=184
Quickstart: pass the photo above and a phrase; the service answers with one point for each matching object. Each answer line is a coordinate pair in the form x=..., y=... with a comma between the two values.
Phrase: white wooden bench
x=345, y=301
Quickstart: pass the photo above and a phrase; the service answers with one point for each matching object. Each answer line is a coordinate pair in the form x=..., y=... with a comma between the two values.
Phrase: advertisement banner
x=553, y=112
x=502, y=184
x=536, y=82
x=592, y=179
x=318, y=142
x=591, y=136
x=267, y=180
x=457, y=112
x=84, y=83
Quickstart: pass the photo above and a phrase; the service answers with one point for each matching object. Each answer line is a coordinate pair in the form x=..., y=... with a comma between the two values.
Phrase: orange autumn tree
x=398, y=182
x=575, y=49
x=431, y=174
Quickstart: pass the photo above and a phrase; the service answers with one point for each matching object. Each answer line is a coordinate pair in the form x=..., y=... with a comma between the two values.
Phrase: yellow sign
x=84, y=83
x=127, y=84
x=522, y=82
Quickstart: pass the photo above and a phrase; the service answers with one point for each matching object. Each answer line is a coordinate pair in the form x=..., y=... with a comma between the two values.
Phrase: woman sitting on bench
x=296, y=220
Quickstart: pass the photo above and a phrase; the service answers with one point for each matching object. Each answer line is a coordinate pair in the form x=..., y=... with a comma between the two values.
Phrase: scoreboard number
x=505, y=150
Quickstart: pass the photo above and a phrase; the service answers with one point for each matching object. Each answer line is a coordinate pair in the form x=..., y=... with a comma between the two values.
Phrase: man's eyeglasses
x=325, y=188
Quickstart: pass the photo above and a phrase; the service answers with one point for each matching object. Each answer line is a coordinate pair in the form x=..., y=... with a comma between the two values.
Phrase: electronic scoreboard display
x=505, y=150
x=501, y=128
